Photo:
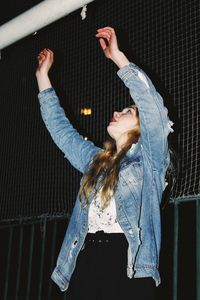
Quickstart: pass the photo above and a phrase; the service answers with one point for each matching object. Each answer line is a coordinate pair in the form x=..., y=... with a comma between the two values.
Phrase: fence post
x=175, y=252
x=42, y=258
x=21, y=233
x=52, y=256
x=8, y=262
x=30, y=260
x=198, y=249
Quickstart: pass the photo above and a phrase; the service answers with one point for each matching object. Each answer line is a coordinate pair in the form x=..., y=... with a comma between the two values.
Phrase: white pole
x=36, y=18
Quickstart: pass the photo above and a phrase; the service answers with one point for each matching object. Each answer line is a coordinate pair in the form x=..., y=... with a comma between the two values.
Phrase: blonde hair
x=105, y=168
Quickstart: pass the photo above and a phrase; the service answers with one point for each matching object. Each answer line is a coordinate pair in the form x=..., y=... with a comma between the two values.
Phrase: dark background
x=35, y=179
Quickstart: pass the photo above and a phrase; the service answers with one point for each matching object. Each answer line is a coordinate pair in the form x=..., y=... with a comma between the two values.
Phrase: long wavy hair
x=104, y=168
x=170, y=176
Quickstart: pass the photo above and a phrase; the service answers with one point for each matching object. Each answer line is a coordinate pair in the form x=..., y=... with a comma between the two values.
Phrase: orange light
x=86, y=111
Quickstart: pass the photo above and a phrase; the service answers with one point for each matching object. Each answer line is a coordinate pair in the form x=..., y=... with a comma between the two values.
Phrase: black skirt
x=100, y=272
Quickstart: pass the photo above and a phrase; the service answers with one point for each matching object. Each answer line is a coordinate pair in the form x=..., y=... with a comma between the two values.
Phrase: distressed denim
x=141, y=178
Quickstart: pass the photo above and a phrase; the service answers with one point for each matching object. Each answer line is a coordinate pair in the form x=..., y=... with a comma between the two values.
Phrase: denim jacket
x=141, y=178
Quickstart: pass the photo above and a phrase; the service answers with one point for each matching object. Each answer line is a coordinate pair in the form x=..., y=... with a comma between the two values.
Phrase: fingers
x=103, y=44
x=102, y=36
x=106, y=32
x=45, y=54
x=110, y=29
x=49, y=50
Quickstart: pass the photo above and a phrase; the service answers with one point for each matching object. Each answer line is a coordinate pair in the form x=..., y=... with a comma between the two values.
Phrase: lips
x=113, y=120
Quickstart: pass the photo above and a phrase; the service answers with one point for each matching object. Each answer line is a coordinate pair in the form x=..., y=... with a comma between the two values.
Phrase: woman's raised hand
x=45, y=61
x=111, y=49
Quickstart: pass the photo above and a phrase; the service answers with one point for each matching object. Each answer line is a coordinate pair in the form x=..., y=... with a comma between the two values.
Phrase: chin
x=110, y=132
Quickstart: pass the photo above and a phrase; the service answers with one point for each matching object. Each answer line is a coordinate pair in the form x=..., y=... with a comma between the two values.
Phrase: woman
x=112, y=244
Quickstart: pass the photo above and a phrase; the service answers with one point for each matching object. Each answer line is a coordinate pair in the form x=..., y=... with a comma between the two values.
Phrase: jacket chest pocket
x=130, y=185
x=133, y=173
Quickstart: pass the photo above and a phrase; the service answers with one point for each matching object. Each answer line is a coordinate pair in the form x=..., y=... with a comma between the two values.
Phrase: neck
x=120, y=142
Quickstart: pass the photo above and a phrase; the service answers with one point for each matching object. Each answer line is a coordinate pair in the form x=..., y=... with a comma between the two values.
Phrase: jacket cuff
x=125, y=72
x=47, y=95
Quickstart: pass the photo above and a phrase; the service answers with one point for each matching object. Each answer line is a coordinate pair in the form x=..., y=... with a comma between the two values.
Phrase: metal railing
x=39, y=241
x=177, y=202
x=50, y=249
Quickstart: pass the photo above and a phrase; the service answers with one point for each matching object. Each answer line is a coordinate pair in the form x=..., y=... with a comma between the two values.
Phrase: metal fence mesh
x=35, y=178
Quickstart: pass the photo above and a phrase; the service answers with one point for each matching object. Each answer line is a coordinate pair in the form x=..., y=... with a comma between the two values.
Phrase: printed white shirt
x=103, y=219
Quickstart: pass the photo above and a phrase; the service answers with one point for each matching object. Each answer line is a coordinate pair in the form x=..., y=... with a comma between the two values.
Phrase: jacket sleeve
x=78, y=151
x=154, y=122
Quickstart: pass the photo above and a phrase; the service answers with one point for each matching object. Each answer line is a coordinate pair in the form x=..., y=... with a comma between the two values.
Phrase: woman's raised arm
x=154, y=122
x=78, y=151
x=111, y=50
x=45, y=61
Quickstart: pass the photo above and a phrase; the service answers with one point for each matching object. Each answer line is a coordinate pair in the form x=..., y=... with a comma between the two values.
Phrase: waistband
x=103, y=237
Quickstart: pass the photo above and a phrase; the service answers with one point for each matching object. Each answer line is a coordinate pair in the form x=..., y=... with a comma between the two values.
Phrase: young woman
x=111, y=247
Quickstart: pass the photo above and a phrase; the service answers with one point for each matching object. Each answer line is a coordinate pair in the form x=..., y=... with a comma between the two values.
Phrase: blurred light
x=34, y=33
x=86, y=111
x=85, y=138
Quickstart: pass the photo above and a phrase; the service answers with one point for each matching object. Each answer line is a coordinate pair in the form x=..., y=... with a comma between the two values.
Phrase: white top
x=99, y=219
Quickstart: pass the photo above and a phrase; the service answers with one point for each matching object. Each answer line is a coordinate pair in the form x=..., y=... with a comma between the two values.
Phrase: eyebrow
x=133, y=107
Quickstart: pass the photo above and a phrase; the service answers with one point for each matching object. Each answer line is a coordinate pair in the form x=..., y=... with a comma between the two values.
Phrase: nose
x=116, y=114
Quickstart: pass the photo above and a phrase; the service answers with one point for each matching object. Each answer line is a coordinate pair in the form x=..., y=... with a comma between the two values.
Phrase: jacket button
x=130, y=231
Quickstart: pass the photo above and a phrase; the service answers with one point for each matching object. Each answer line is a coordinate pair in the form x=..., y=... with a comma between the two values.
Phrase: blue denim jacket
x=141, y=179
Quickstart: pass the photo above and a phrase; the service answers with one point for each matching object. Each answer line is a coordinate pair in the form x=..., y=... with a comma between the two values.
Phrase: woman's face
x=122, y=122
